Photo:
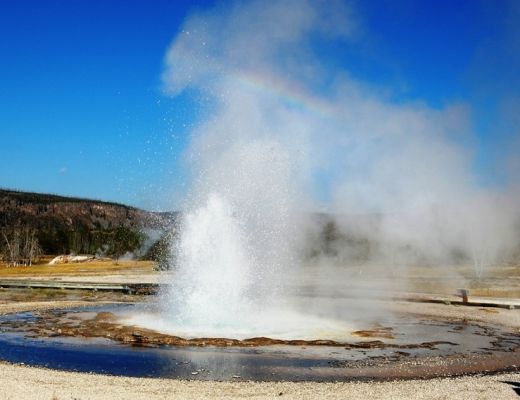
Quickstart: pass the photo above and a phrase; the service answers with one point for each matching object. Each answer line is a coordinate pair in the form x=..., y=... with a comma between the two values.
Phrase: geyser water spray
x=236, y=240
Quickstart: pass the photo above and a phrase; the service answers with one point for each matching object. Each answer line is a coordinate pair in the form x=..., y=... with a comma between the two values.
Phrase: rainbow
x=293, y=95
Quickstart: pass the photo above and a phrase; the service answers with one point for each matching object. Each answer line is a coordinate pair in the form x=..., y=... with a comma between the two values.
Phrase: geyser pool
x=98, y=339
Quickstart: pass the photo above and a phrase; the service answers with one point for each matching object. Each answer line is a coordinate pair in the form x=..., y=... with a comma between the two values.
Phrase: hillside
x=67, y=224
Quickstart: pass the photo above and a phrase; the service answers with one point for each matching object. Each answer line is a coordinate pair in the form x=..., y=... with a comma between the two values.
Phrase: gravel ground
x=21, y=382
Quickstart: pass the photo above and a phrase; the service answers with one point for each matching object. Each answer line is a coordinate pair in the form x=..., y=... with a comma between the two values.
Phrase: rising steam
x=288, y=136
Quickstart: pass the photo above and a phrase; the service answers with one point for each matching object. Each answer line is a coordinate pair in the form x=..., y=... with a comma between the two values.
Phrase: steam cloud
x=288, y=134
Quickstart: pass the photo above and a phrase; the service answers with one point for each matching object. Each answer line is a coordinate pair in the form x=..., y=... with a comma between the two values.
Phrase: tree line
x=24, y=245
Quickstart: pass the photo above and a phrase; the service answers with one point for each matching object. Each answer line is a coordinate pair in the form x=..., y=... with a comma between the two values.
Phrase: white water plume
x=237, y=239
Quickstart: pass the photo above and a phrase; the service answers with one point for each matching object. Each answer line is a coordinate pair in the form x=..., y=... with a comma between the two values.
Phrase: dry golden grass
x=501, y=281
x=498, y=281
x=484, y=288
x=96, y=268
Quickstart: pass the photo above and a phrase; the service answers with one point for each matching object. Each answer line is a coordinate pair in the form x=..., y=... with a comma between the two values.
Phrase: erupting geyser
x=237, y=245
x=339, y=222
x=285, y=135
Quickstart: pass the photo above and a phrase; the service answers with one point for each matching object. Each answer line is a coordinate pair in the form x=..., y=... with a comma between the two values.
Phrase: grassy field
x=497, y=281
x=95, y=268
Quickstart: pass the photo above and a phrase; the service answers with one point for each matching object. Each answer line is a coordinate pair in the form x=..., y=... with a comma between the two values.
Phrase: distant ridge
x=71, y=224
x=37, y=197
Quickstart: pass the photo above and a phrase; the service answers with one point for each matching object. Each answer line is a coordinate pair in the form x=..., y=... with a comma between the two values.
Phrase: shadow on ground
x=515, y=386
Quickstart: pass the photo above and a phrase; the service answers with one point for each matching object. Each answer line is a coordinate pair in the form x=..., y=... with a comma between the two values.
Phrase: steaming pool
x=403, y=344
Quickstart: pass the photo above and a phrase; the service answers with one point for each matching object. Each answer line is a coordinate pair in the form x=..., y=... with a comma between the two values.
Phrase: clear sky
x=82, y=110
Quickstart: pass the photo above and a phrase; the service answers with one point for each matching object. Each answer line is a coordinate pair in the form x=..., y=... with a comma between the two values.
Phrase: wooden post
x=464, y=293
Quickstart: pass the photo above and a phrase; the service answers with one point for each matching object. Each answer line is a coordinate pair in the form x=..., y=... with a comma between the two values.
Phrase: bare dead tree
x=34, y=250
x=12, y=245
x=21, y=246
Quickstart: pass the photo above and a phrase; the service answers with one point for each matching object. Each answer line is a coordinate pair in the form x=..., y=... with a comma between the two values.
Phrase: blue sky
x=82, y=111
